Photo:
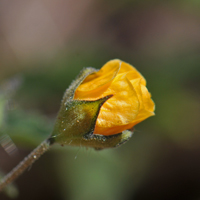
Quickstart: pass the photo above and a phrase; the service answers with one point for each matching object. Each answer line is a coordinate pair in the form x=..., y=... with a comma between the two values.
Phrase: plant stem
x=24, y=164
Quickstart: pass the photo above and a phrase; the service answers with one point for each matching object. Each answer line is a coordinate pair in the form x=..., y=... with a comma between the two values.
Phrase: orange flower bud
x=130, y=104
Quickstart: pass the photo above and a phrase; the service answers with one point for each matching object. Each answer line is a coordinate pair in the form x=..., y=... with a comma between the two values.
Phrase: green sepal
x=100, y=142
x=75, y=120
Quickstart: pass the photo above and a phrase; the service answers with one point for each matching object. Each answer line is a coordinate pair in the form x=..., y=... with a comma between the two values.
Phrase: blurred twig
x=11, y=190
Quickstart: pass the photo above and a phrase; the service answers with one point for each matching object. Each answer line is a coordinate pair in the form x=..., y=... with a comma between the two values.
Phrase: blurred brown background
x=43, y=46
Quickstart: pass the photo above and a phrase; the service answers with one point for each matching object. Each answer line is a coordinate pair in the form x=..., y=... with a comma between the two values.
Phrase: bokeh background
x=43, y=46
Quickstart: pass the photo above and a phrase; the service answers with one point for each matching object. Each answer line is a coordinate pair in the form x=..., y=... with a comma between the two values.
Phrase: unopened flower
x=100, y=108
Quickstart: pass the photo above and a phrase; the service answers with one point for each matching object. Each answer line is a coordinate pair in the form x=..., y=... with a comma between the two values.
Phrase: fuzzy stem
x=24, y=164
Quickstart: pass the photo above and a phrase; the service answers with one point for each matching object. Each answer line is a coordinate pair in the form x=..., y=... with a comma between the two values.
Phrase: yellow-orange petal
x=147, y=106
x=132, y=71
x=148, y=102
x=137, y=86
x=144, y=96
x=119, y=110
x=112, y=130
x=124, y=68
x=95, y=84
